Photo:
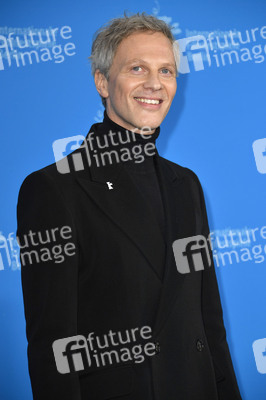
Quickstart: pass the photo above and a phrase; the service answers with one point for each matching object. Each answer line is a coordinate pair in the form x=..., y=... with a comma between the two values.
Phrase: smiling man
x=141, y=81
x=128, y=211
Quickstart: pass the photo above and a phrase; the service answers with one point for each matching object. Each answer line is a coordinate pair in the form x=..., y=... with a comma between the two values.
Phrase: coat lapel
x=127, y=208
x=180, y=223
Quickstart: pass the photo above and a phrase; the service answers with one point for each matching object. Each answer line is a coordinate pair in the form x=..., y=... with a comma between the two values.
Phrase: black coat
x=115, y=281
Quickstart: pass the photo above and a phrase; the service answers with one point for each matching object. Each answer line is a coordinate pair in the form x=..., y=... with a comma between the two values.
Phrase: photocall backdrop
x=216, y=127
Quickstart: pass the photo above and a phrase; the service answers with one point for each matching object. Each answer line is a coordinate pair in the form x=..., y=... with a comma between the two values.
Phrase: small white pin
x=110, y=185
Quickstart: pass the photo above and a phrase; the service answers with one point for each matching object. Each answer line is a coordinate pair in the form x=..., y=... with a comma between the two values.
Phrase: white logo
x=71, y=354
x=174, y=25
x=259, y=150
x=39, y=45
x=110, y=185
x=78, y=353
x=10, y=255
x=259, y=350
x=63, y=147
x=1, y=62
x=191, y=254
x=188, y=45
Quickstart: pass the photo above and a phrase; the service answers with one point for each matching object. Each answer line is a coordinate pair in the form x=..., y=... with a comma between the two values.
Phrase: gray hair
x=110, y=35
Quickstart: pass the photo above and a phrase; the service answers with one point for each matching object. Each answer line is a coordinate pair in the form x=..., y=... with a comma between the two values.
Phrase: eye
x=137, y=68
x=166, y=71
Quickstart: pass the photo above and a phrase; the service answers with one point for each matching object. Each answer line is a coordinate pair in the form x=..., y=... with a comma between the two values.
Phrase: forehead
x=150, y=46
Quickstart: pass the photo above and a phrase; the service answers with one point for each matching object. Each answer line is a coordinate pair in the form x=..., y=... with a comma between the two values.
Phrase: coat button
x=157, y=348
x=200, y=345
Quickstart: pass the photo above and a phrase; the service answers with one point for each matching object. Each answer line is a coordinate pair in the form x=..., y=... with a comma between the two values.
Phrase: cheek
x=127, y=87
x=172, y=91
x=119, y=92
x=114, y=89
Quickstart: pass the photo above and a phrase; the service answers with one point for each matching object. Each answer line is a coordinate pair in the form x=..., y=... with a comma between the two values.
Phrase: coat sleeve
x=49, y=282
x=227, y=386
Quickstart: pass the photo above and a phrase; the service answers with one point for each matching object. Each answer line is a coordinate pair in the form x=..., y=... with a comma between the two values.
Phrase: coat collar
x=124, y=202
x=180, y=222
x=125, y=206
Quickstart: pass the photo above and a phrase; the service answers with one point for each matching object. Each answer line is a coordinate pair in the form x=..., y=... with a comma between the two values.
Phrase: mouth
x=148, y=101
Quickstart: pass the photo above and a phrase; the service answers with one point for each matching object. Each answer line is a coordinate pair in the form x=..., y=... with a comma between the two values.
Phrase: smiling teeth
x=148, y=101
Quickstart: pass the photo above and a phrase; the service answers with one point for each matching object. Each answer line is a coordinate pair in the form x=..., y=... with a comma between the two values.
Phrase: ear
x=101, y=83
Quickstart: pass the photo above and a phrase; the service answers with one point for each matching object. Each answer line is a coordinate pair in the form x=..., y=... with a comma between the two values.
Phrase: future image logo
x=62, y=147
x=79, y=353
x=71, y=354
x=33, y=46
x=259, y=350
x=10, y=254
x=259, y=150
x=191, y=254
x=110, y=148
x=204, y=49
x=195, y=48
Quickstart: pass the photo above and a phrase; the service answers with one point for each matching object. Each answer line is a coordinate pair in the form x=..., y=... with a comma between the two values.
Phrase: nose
x=153, y=81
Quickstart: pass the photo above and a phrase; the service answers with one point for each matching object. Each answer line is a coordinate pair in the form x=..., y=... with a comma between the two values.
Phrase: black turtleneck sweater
x=142, y=168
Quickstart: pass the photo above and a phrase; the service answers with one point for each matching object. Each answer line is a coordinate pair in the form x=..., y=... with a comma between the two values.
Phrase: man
x=119, y=292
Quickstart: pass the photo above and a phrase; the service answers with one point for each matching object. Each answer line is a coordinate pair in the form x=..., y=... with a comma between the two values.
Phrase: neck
x=145, y=130
x=138, y=131
x=110, y=143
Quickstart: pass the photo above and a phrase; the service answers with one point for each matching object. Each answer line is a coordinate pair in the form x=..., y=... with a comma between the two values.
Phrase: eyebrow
x=139, y=60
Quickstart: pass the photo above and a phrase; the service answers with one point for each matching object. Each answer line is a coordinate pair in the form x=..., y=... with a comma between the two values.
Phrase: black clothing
x=143, y=171
x=113, y=281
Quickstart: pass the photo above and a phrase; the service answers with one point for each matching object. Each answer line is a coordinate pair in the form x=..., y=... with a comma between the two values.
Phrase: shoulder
x=188, y=176
x=47, y=177
x=45, y=194
x=180, y=171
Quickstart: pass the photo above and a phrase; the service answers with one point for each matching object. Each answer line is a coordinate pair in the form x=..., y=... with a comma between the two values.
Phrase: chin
x=151, y=123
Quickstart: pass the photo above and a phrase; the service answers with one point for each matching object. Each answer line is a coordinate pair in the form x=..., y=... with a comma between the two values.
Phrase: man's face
x=142, y=81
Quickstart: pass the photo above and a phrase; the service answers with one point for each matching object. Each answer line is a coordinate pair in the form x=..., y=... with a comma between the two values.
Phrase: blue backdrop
x=216, y=127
